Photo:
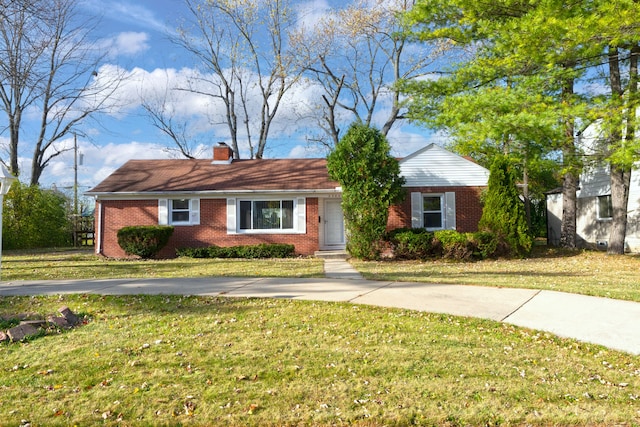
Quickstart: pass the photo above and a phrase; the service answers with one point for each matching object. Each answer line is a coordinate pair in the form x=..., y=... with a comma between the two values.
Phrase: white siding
x=591, y=231
x=594, y=182
x=433, y=166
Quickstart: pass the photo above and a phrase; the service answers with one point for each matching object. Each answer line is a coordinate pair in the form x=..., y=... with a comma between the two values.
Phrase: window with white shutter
x=179, y=211
x=433, y=211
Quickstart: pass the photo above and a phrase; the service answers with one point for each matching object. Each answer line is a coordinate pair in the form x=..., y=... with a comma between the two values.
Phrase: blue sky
x=133, y=35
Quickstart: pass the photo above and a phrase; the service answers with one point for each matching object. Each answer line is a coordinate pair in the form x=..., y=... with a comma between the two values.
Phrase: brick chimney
x=222, y=153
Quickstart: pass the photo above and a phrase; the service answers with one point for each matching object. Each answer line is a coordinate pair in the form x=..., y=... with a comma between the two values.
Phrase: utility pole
x=75, y=190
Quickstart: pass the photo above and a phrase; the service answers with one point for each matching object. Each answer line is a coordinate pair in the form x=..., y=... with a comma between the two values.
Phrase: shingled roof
x=195, y=175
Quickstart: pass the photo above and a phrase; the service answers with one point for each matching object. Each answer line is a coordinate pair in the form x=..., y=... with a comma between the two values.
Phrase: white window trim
x=606, y=218
x=299, y=216
x=442, y=210
x=165, y=212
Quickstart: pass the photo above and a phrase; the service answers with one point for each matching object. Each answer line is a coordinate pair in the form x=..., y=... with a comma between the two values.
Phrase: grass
x=170, y=360
x=38, y=265
x=581, y=272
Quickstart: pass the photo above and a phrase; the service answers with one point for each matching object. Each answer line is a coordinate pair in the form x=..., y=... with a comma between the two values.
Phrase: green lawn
x=582, y=272
x=175, y=360
x=70, y=264
x=171, y=360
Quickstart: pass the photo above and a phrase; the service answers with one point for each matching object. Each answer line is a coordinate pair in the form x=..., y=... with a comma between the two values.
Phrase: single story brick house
x=229, y=202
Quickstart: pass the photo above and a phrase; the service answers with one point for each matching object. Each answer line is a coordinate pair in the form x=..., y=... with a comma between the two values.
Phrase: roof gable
x=434, y=166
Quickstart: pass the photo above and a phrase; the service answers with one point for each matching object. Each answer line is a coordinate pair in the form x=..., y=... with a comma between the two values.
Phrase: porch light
x=6, y=179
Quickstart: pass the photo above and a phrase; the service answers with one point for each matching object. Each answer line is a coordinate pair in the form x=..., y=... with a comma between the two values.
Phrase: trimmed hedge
x=263, y=250
x=144, y=241
x=420, y=244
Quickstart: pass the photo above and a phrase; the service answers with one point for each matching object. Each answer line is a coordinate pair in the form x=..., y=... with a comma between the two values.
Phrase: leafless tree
x=358, y=55
x=245, y=66
x=22, y=46
x=49, y=63
x=160, y=107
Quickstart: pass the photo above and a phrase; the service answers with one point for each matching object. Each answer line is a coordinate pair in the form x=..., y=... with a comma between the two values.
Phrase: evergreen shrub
x=420, y=244
x=144, y=241
x=411, y=243
x=455, y=245
x=263, y=250
x=503, y=213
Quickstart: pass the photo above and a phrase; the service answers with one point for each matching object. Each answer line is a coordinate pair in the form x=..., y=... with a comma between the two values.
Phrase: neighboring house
x=594, y=214
x=593, y=206
x=230, y=202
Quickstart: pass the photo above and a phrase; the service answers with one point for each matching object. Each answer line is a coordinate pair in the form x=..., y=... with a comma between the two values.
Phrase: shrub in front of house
x=420, y=244
x=263, y=250
x=487, y=245
x=407, y=243
x=144, y=241
x=455, y=245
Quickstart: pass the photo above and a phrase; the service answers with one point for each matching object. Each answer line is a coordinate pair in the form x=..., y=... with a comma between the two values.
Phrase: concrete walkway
x=603, y=321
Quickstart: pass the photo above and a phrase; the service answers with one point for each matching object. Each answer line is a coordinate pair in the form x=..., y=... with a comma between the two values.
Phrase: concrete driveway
x=608, y=322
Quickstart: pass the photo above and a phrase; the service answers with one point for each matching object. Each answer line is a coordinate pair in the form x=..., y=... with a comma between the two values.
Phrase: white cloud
x=102, y=161
x=408, y=139
x=129, y=43
x=311, y=12
x=306, y=151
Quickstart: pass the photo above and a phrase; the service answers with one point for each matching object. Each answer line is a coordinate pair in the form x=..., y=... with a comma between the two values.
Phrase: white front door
x=333, y=223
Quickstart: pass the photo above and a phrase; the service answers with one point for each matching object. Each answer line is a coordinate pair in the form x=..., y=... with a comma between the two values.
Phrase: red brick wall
x=116, y=214
x=468, y=208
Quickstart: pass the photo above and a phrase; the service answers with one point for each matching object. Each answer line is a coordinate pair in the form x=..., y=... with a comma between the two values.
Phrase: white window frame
x=174, y=210
x=606, y=199
x=441, y=211
x=165, y=212
x=298, y=216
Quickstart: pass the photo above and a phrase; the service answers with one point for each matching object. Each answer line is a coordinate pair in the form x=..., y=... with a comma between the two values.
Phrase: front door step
x=338, y=254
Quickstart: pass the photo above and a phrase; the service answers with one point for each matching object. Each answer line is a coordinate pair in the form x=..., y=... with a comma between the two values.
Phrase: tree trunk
x=569, y=203
x=570, y=180
x=621, y=172
x=525, y=191
x=620, y=181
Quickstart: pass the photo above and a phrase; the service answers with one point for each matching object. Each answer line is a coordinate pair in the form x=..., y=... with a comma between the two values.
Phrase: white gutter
x=226, y=193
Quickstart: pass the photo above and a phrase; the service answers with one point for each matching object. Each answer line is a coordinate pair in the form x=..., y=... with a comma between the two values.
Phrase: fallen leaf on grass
x=189, y=407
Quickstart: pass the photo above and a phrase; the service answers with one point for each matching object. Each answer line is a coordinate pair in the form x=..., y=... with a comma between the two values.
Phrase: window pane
x=287, y=214
x=266, y=215
x=180, y=204
x=180, y=210
x=245, y=215
x=179, y=216
x=604, y=207
x=432, y=203
x=433, y=220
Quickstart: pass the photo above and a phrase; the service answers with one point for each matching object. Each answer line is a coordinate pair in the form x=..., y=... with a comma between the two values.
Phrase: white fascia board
x=205, y=194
